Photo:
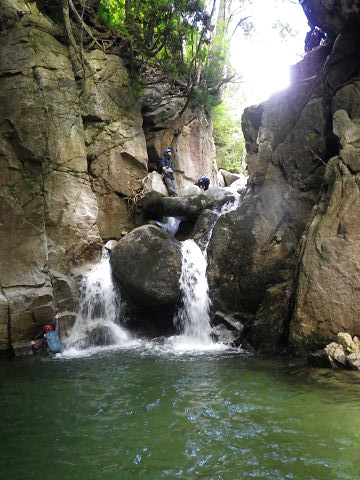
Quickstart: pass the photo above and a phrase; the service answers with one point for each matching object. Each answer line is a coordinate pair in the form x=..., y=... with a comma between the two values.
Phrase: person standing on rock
x=166, y=169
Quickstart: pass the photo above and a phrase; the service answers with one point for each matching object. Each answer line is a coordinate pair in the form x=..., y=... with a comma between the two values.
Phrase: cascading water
x=170, y=225
x=193, y=318
x=97, y=322
x=99, y=310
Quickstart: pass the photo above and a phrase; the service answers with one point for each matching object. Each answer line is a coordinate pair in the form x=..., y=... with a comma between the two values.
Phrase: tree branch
x=83, y=24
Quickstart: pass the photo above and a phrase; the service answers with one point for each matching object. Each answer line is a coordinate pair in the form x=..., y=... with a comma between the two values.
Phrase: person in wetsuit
x=166, y=169
x=203, y=183
x=44, y=346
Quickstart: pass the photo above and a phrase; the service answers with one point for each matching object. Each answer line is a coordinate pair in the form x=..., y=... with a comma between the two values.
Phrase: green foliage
x=175, y=35
x=27, y=177
x=165, y=29
x=12, y=191
x=310, y=137
x=228, y=137
x=285, y=30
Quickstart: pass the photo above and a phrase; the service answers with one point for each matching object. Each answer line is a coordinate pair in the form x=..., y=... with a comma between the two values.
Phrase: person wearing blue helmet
x=166, y=169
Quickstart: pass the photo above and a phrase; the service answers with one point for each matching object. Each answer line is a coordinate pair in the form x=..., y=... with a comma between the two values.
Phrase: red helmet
x=47, y=328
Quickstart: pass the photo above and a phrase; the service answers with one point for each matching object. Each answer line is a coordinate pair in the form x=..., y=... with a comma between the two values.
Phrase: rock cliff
x=74, y=147
x=292, y=246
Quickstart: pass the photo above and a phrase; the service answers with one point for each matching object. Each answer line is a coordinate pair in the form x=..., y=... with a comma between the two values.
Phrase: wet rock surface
x=146, y=264
x=73, y=153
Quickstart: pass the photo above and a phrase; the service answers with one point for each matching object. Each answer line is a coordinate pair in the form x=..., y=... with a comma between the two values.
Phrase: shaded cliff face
x=72, y=150
x=333, y=16
x=288, y=258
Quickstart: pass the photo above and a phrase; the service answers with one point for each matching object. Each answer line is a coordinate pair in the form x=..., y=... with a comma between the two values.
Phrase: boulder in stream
x=146, y=264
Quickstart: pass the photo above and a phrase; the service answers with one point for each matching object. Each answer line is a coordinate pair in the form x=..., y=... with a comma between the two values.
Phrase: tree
x=228, y=137
x=181, y=38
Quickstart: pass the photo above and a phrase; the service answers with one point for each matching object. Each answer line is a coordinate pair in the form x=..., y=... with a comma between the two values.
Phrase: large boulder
x=252, y=249
x=191, y=207
x=230, y=178
x=146, y=264
x=153, y=189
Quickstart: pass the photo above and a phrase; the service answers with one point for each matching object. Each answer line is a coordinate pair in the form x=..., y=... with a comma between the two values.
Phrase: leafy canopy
x=167, y=31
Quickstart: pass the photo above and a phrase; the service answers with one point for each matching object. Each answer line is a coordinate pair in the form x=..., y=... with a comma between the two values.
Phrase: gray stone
x=354, y=360
x=228, y=320
x=347, y=342
x=4, y=319
x=189, y=191
x=153, y=189
x=147, y=263
x=66, y=291
x=222, y=334
x=333, y=15
x=29, y=309
x=336, y=354
x=192, y=207
x=110, y=245
x=230, y=178
x=203, y=227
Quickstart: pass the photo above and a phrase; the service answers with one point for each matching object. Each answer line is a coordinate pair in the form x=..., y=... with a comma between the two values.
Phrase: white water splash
x=193, y=317
x=170, y=225
x=100, y=308
x=230, y=205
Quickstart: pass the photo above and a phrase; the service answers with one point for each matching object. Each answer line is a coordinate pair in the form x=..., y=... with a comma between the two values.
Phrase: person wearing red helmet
x=42, y=345
x=47, y=328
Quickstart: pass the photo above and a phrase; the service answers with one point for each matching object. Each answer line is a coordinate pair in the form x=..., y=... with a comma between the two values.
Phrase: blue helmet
x=167, y=150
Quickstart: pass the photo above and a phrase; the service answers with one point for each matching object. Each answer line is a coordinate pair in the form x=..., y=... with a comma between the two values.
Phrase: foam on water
x=193, y=317
x=97, y=322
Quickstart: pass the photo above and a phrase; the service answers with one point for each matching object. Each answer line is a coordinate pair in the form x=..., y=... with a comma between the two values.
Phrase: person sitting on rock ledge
x=166, y=169
x=203, y=183
x=50, y=342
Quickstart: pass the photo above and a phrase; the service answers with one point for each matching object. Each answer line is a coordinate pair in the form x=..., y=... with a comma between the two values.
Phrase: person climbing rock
x=166, y=169
x=313, y=38
x=50, y=342
x=203, y=183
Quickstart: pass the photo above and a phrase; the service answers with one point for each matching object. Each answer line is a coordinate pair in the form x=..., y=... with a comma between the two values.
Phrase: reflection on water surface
x=145, y=412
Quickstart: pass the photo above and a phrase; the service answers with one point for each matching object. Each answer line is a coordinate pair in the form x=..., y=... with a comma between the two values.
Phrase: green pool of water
x=143, y=414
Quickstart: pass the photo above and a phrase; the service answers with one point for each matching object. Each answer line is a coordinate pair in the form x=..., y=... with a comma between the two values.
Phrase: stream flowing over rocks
x=77, y=161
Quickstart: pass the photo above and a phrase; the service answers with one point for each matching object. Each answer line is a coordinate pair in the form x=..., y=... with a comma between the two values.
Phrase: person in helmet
x=166, y=169
x=42, y=345
x=203, y=183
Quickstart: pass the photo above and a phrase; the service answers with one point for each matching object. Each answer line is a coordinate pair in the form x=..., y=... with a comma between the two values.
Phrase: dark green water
x=138, y=414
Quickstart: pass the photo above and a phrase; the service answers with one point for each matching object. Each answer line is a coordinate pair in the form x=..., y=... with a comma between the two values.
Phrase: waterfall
x=99, y=310
x=193, y=318
x=170, y=225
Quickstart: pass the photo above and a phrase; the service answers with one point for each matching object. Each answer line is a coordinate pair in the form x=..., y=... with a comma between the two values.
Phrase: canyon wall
x=288, y=260
x=74, y=147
